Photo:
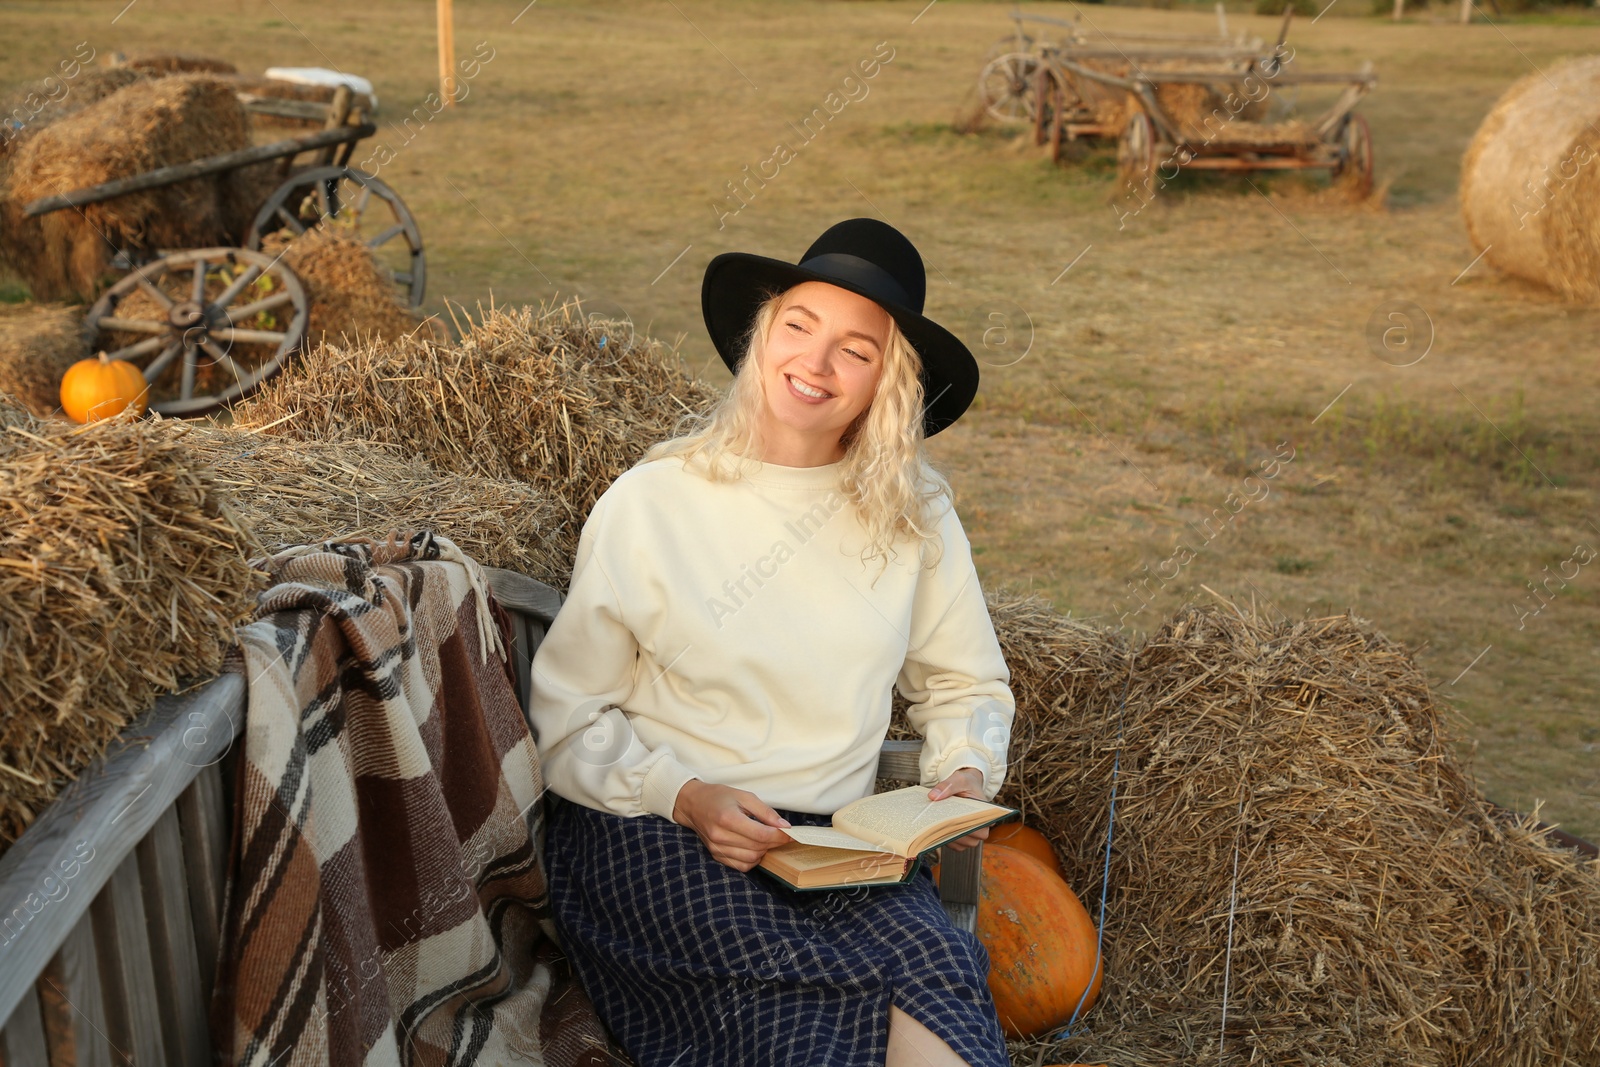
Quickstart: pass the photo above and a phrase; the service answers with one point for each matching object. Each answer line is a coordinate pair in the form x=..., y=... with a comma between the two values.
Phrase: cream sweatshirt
x=731, y=632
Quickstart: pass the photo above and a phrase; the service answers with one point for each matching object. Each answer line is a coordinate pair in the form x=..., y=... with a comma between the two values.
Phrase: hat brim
x=735, y=284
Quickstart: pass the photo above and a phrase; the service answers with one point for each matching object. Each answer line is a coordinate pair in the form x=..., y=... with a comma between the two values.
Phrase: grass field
x=1124, y=399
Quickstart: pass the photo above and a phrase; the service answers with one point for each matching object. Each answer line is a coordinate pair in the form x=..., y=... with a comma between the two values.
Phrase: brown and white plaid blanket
x=387, y=899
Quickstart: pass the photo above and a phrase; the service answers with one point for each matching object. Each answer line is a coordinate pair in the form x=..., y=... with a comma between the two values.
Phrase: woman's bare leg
x=913, y=1045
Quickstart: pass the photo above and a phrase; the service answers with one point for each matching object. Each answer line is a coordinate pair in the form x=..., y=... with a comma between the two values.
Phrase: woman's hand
x=962, y=782
x=736, y=826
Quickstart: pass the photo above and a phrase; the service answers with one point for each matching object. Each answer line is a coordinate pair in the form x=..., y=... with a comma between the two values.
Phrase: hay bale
x=1382, y=916
x=151, y=123
x=14, y=413
x=546, y=396
x=353, y=297
x=289, y=492
x=161, y=64
x=1530, y=180
x=121, y=577
x=34, y=105
x=38, y=342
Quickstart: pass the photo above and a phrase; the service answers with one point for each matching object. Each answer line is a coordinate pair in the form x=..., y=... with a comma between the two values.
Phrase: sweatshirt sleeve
x=586, y=667
x=955, y=675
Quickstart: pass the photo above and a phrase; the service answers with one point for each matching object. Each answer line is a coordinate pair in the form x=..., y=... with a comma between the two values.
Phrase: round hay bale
x=352, y=296
x=164, y=63
x=1381, y=914
x=1530, y=180
x=150, y=123
x=546, y=396
x=38, y=342
x=121, y=577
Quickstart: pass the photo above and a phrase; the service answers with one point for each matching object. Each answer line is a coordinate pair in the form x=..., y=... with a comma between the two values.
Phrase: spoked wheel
x=364, y=206
x=1136, y=152
x=1354, y=166
x=1006, y=86
x=205, y=327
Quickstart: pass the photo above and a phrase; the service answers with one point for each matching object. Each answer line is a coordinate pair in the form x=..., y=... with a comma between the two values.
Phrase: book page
x=828, y=837
x=896, y=819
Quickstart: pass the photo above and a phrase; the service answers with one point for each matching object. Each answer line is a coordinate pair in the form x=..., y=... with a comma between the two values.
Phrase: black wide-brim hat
x=869, y=258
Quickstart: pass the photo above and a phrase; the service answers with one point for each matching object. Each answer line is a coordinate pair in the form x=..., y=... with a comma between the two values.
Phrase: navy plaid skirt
x=694, y=964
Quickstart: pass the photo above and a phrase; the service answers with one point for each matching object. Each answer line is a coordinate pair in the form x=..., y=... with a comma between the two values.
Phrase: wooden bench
x=111, y=902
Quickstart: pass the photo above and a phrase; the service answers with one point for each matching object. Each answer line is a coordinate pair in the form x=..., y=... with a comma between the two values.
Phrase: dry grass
x=289, y=492
x=38, y=342
x=1530, y=181
x=121, y=576
x=550, y=397
x=1382, y=914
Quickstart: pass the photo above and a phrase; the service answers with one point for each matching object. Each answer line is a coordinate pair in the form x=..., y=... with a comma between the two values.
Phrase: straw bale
x=36, y=104
x=121, y=577
x=353, y=297
x=38, y=342
x=14, y=413
x=545, y=396
x=163, y=63
x=1382, y=915
x=289, y=492
x=150, y=123
x=1530, y=180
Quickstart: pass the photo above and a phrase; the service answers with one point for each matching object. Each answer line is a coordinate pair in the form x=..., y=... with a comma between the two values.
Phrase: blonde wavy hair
x=885, y=471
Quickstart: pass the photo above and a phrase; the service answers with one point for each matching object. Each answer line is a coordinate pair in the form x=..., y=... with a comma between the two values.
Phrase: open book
x=877, y=840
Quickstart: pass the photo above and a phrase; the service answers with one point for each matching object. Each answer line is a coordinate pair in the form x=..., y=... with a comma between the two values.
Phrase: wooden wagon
x=111, y=902
x=1006, y=85
x=208, y=326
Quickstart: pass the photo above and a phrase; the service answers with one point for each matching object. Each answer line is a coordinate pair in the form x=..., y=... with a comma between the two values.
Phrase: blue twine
x=1105, y=875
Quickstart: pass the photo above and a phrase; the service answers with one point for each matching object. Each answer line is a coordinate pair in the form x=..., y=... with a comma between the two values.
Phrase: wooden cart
x=208, y=326
x=1006, y=83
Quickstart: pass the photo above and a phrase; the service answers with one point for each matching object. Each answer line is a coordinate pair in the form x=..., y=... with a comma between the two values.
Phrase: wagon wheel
x=209, y=325
x=343, y=196
x=1136, y=152
x=1354, y=164
x=1006, y=86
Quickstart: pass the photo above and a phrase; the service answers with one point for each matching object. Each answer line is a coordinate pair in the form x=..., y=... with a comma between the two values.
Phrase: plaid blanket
x=387, y=901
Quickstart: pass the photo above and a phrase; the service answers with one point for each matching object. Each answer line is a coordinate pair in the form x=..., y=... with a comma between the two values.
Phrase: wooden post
x=1399, y=9
x=447, y=54
x=1466, y=11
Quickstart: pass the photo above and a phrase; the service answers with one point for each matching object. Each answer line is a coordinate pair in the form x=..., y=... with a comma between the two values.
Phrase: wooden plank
x=173, y=958
x=338, y=111
x=196, y=168
x=22, y=1041
x=900, y=760
x=74, y=1011
x=203, y=814
x=127, y=976
x=518, y=592
x=312, y=110
x=53, y=871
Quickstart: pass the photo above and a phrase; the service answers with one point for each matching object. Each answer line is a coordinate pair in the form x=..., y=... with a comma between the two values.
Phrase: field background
x=1122, y=400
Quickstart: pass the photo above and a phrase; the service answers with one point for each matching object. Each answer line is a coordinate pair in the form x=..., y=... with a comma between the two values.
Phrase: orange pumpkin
x=1041, y=944
x=1026, y=839
x=99, y=388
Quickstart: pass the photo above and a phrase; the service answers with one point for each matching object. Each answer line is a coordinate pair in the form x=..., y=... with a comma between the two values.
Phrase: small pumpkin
x=1027, y=839
x=99, y=388
x=1041, y=944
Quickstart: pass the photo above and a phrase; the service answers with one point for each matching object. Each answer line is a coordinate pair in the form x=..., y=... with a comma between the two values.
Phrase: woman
x=723, y=668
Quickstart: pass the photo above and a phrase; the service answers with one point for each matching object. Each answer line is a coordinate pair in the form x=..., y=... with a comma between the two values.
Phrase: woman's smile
x=811, y=394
